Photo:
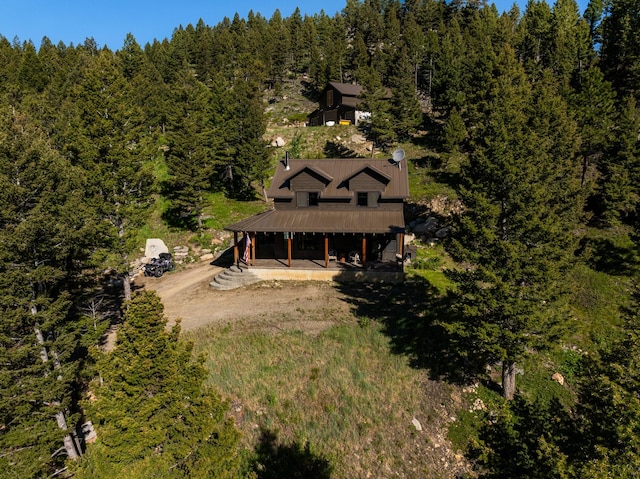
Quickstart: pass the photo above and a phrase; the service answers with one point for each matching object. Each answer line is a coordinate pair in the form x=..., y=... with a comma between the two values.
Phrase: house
x=329, y=213
x=339, y=103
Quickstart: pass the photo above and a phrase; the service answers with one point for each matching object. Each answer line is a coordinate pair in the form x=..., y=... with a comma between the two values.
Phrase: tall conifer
x=520, y=193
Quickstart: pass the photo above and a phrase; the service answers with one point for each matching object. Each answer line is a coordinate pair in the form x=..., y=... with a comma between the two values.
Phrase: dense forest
x=539, y=105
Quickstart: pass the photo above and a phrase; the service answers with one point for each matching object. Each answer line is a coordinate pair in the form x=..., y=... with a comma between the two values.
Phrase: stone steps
x=232, y=278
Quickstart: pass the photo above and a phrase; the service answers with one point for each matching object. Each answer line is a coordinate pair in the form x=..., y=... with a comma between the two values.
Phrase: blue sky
x=109, y=21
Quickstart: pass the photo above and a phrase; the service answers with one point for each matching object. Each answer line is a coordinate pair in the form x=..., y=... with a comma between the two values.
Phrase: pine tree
x=375, y=99
x=536, y=36
x=152, y=412
x=620, y=51
x=107, y=140
x=192, y=154
x=620, y=168
x=454, y=132
x=521, y=197
x=46, y=232
x=246, y=158
x=406, y=111
x=607, y=413
x=594, y=105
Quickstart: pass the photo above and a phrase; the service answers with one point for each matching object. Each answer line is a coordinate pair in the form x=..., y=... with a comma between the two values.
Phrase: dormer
x=309, y=178
x=367, y=185
x=368, y=178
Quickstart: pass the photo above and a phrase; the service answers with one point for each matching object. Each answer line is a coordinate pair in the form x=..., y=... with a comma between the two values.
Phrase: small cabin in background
x=339, y=103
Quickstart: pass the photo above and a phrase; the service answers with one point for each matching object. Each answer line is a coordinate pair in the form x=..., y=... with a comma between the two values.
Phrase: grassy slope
x=341, y=393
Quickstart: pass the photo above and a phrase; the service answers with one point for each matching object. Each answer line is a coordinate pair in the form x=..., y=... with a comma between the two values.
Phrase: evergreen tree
x=454, y=132
x=193, y=147
x=595, y=111
x=520, y=192
x=375, y=99
x=45, y=236
x=449, y=82
x=277, y=47
x=536, y=36
x=406, y=111
x=152, y=412
x=108, y=141
x=571, y=48
x=620, y=51
x=521, y=440
x=246, y=156
x=620, y=168
x=607, y=413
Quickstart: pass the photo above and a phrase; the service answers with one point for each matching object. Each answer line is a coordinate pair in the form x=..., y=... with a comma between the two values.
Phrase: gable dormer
x=309, y=178
x=368, y=178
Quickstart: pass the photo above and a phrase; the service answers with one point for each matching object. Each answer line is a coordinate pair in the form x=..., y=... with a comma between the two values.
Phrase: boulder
x=409, y=238
x=443, y=232
x=154, y=247
x=432, y=223
x=429, y=225
x=358, y=139
x=207, y=257
x=559, y=378
x=420, y=229
x=278, y=141
x=416, y=424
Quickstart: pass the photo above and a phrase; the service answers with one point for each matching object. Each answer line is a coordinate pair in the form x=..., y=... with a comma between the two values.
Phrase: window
x=368, y=198
x=307, y=198
x=329, y=97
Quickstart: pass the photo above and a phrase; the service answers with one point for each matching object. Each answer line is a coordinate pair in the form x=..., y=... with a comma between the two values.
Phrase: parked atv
x=158, y=266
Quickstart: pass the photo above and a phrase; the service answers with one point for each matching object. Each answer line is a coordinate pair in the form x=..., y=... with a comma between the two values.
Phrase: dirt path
x=186, y=294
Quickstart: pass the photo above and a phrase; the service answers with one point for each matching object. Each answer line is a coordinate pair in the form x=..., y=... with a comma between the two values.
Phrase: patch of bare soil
x=186, y=294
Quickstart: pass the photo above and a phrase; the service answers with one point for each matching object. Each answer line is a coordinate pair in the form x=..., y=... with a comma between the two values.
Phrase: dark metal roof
x=377, y=172
x=346, y=88
x=312, y=220
x=350, y=101
x=341, y=170
x=312, y=168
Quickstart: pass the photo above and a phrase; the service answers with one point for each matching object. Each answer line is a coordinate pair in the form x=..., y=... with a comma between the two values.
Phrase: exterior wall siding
x=306, y=182
x=365, y=182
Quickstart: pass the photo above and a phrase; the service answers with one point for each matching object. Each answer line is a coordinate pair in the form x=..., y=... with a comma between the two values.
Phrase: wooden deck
x=317, y=264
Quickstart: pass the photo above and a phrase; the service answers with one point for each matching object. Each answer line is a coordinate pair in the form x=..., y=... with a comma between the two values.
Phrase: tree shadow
x=605, y=256
x=415, y=316
x=175, y=216
x=275, y=460
x=449, y=178
x=309, y=91
x=225, y=259
x=336, y=150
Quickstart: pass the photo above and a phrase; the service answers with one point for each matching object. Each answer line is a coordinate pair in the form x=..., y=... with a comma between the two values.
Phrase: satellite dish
x=398, y=156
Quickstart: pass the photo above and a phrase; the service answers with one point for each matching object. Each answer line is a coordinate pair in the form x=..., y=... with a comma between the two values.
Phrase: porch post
x=364, y=249
x=289, y=249
x=236, y=256
x=326, y=250
x=401, y=236
x=253, y=250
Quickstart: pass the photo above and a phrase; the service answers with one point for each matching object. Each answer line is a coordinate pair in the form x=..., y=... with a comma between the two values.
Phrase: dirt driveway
x=186, y=294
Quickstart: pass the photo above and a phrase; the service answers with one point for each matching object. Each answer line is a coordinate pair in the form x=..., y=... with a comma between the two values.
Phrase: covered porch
x=276, y=239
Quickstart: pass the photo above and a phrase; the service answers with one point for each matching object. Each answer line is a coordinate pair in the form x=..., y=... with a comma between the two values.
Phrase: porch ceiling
x=311, y=220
